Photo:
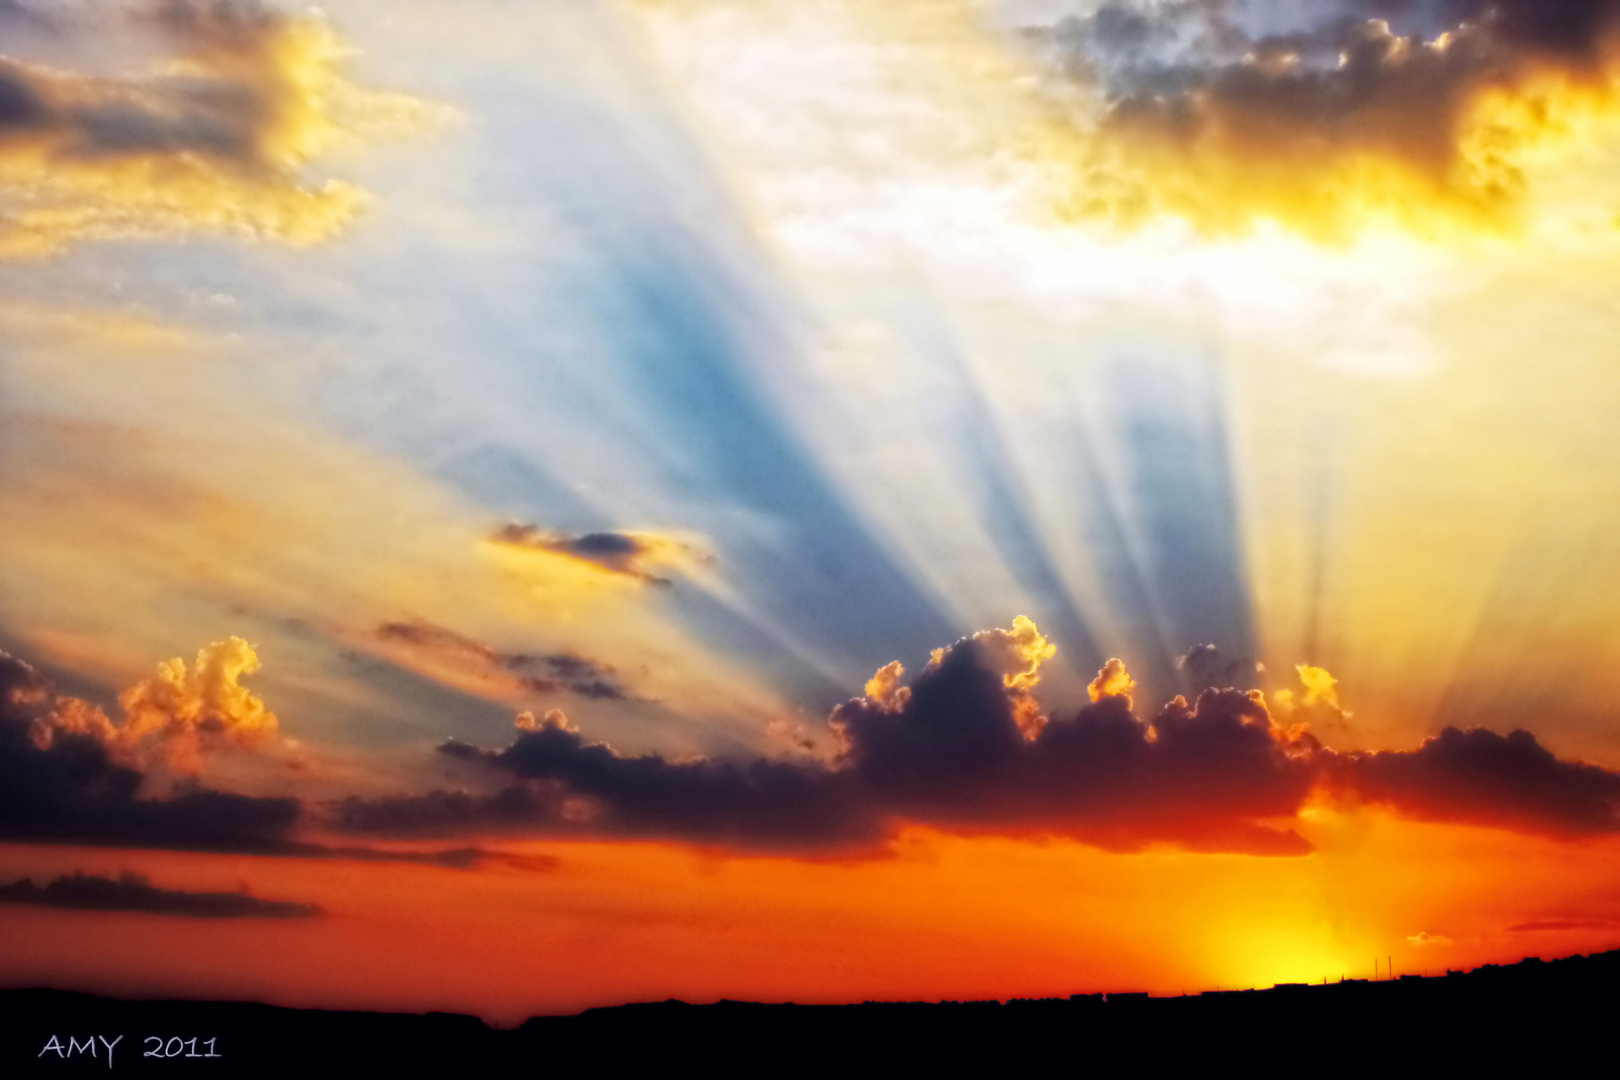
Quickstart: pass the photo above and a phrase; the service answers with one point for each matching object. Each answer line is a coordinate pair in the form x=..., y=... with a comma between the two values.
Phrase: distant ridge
x=1548, y=1016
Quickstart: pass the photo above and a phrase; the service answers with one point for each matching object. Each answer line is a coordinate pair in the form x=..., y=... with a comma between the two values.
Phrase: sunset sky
x=806, y=500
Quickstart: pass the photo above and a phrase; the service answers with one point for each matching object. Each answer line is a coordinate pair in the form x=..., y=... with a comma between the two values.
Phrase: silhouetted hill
x=1553, y=1018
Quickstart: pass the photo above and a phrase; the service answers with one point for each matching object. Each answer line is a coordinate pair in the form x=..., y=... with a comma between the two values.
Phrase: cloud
x=885, y=689
x=22, y=688
x=1112, y=681
x=211, y=138
x=184, y=708
x=1423, y=938
x=525, y=673
x=959, y=720
x=1318, y=707
x=955, y=753
x=1315, y=114
x=174, y=717
x=967, y=748
x=70, y=786
x=956, y=750
x=1481, y=777
x=588, y=788
x=636, y=555
x=134, y=892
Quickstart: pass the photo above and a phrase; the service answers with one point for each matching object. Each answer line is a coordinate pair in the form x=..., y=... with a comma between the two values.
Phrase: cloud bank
x=965, y=748
x=1484, y=778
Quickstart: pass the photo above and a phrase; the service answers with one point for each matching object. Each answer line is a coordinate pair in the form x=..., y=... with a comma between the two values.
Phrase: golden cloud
x=1326, y=130
x=884, y=688
x=213, y=138
x=176, y=715
x=1112, y=681
x=1319, y=704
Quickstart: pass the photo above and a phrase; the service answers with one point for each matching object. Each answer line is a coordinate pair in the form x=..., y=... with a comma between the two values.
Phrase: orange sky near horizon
x=942, y=917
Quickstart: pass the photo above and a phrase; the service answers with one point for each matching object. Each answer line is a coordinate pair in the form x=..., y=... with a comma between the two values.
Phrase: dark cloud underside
x=953, y=751
x=73, y=791
x=132, y=892
x=963, y=748
x=1482, y=777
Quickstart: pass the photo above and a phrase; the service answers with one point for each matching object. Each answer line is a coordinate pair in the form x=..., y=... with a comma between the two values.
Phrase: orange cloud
x=554, y=718
x=1112, y=681
x=884, y=686
x=213, y=138
x=176, y=715
x=1294, y=714
x=182, y=708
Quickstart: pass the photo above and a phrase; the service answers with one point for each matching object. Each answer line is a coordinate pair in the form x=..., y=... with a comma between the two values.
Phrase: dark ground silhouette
x=1552, y=1018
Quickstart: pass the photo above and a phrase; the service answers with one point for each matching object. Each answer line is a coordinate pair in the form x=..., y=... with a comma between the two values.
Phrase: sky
x=547, y=505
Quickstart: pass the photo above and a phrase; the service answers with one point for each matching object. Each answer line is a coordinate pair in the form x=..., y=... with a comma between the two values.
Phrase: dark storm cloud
x=541, y=673
x=1480, y=777
x=1326, y=62
x=963, y=749
x=133, y=892
x=24, y=692
x=954, y=755
x=949, y=751
x=571, y=786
